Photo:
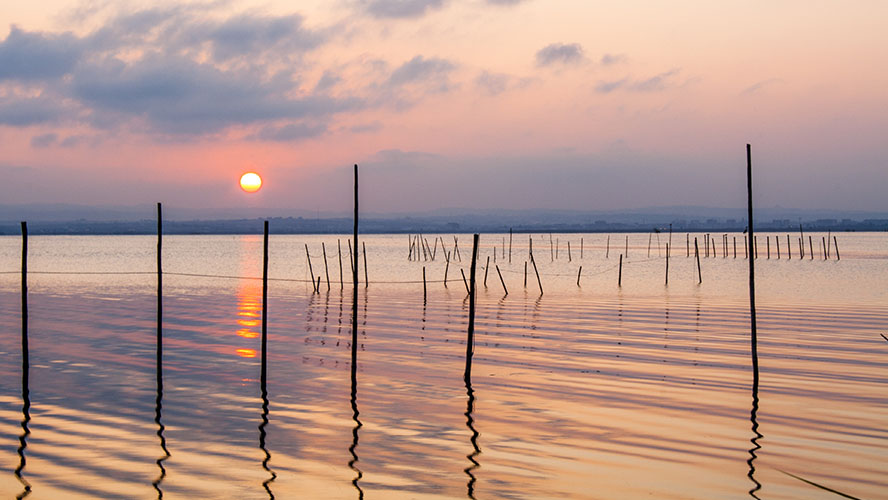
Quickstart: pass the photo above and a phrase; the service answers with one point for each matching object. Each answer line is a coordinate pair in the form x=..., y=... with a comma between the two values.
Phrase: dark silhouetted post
x=525, y=274
x=366, y=279
x=470, y=340
x=581, y=248
x=339, y=253
x=424, y=292
x=650, y=237
x=823, y=245
x=539, y=282
x=310, y=271
x=811, y=247
x=25, y=353
x=620, y=272
x=735, y=247
x=263, y=372
x=505, y=290
x=697, y=254
x=688, y=243
x=569, y=259
x=753, y=339
x=510, y=245
x=159, y=282
x=579, y=273
x=788, y=248
x=465, y=281
x=836, y=242
x=607, y=248
x=777, y=240
x=627, y=247
x=486, y=268
x=768, y=245
x=326, y=269
x=667, y=263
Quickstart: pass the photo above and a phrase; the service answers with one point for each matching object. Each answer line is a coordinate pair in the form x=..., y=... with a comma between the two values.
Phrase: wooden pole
x=539, y=282
x=25, y=353
x=697, y=254
x=465, y=282
x=486, y=267
x=688, y=243
x=746, y=245
x=424, y=290
x=667, y=263
x=627, y=246
x=569, y=258
x=777, y=240
x=326, y=269
x=551, y=252
x=525, y=274
x=620, y=272
x=735, y=247
x=506, y=290
x=529, y=246
x=753, y=337
x=446, y=268
x=339, y=254
x=510, y=245
x=579, y=273
x=828, y=242
x=366, y=279
x=351, y=259
x=768, y=242
x=608, y=248
x=811, y=247
x=755, y=246
x=456, y=248
x=837, y=248
x=263, y=368
x=310, y=272
x=788, y=248
x=650, y=237
x=159, y=280
x=470, y=339
x=581, y=248
x=823, y=245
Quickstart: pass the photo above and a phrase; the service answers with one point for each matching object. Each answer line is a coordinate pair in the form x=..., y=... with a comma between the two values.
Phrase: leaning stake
x=753, y=339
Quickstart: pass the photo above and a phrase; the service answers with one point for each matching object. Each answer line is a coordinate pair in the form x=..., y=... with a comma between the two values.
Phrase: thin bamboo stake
x=539, y=282
x=339, y=254
x=456, y=248
x=735, y=247
x=366, y=279
x=697, y=254
x=768, y=242
x=424, y=289
x=650, y=237
x=510, y=245
x=777, y=240
x=569, y=258
x=579, y=273
x=310, y=272
x=464, y=281
x=581, y=248
x=837, y=248
x=688, y=243
x=446, y=268
x=620, y=273
x=502, y=280
x=486, y=267
x=627, y=246
x=667, y=263
x=788, y=248
x=525, y=274
x=753, y=336
x=263, y=369
x=326, y=269
x=608, y=248
x=811, y=247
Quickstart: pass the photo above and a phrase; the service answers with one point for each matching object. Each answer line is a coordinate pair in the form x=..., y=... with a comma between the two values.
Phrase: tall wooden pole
x=753, y=338
x=25, y=353
x=470, y=340
x=263, y=369
x=159, y=340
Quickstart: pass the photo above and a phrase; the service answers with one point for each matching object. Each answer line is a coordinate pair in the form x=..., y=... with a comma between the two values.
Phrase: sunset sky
x=445, y=103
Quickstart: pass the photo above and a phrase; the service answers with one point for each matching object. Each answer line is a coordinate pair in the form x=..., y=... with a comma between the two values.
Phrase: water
x=597, y=391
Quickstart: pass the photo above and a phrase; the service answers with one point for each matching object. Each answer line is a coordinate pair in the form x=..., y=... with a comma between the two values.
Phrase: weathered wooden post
x=310, y=272
x=620, y=272
x=697, y=254
x=470, y=340
x=506, y=290
x=326, y=269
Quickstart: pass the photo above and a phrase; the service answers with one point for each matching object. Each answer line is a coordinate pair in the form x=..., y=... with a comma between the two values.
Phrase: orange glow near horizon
x=250, y=182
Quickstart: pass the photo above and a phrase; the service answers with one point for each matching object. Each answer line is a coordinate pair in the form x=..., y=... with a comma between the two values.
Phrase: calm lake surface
x=643, y=390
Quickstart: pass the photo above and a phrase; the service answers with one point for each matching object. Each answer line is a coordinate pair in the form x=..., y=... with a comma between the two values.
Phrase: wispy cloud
x=611, y=59
x=400, y=9
x=496, y=83
x=754, y=88
x=652, y=84
x=560, y=53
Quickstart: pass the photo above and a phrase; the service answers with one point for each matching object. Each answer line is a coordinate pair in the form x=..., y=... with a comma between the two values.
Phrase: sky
x=480, y=104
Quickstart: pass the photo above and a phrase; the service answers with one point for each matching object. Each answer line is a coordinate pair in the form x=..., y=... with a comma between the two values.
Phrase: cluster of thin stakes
x=418, y=246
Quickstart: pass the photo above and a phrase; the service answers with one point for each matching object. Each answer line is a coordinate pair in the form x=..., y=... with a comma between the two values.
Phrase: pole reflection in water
x=470, y=423
x=26, y=368
x=263, y=370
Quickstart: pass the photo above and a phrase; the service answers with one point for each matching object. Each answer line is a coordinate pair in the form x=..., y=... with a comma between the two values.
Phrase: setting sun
x=250, y=182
